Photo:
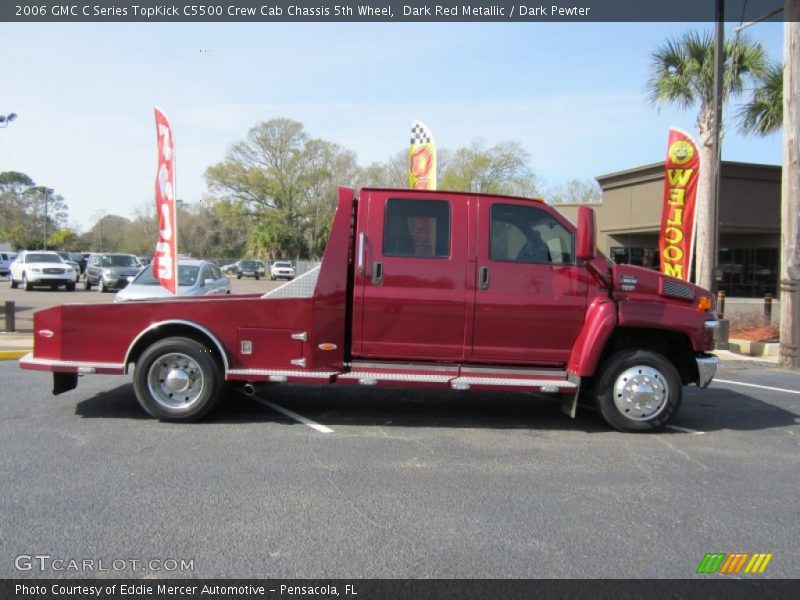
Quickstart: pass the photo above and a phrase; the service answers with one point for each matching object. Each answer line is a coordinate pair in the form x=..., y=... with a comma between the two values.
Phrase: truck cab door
x=410, y=278
x=530, y=296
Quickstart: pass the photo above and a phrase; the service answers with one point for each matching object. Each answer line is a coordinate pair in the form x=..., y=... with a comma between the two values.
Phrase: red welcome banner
x=165, y=267
x=676, y=238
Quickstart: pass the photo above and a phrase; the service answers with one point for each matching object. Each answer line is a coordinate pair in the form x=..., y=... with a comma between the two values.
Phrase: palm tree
x=763, y=114
x=682, y=73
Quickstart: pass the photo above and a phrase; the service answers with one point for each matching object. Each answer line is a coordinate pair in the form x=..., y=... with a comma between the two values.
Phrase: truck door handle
x=483, y=278
x=377, y=273
x=360, y=252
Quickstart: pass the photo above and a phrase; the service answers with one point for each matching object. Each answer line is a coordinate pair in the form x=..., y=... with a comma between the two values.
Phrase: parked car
x=281, y=270
x=195, y=278
x=247, y=268
x=110, y=271
x=262, y=267
x=6, y=258
x=33, y=268
x=69, y=258
x=231, y=269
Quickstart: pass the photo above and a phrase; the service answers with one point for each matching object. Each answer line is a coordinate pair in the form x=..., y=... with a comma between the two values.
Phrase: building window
x=748, y=272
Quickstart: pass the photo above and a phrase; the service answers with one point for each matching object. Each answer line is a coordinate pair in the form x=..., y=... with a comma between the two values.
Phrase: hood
x=632, y=281
x=151, y=292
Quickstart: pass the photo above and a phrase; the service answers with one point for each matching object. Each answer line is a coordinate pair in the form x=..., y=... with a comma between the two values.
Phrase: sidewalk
x=15, y=345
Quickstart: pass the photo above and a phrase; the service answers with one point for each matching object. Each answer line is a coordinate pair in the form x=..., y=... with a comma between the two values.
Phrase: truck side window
x=528, y=234
x=418, y=228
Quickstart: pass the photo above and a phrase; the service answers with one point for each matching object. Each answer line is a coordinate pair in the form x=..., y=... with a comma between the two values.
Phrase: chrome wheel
x=175, y=381
x=641, y=392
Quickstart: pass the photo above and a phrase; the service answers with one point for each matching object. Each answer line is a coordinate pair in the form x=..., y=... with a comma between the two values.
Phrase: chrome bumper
x=706, y=369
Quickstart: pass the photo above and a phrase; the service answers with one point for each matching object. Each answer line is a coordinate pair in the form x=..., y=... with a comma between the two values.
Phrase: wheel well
x=167, y=330
x=675, y=346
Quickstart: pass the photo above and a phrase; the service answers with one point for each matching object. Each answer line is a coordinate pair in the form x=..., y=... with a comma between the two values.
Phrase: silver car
x=195, y=278
x=110, y=271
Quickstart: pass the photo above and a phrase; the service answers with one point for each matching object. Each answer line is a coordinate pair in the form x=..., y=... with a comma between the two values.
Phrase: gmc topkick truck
x=428, y=289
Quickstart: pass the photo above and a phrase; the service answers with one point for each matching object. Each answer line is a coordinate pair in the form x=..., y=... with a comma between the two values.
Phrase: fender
x=188, y=324
x=600, y=323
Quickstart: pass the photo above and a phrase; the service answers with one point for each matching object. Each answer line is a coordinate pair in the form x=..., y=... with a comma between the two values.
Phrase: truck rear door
x=410, y=297
x=530, y=297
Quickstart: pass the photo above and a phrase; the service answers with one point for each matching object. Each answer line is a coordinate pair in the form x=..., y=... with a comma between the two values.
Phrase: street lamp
x=6, y=119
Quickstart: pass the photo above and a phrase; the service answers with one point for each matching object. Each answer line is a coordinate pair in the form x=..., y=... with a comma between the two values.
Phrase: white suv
x=33, y=268
x=281, y=270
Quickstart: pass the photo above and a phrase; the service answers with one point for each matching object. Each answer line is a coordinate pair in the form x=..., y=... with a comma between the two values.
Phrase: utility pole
x=46, y=193
x=790, y=190
x=710, y=278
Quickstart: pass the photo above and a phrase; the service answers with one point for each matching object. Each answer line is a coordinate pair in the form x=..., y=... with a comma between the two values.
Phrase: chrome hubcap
x=175, y=381
x=641, y=392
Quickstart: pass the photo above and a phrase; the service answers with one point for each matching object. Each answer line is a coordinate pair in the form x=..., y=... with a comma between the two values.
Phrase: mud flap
x=64, y=382
x=569, y=402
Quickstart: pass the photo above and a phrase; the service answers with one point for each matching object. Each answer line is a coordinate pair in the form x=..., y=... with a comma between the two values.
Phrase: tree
x=500, y=169
x=682, y=73
x=581, y=191
x=763, y=114
x=22, y=220
x=278, y=167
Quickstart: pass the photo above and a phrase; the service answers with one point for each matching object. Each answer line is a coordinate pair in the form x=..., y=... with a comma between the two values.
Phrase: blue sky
x=572, y=94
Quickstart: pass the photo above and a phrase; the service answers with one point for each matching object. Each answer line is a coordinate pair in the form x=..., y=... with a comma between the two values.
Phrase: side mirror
x=586, y=244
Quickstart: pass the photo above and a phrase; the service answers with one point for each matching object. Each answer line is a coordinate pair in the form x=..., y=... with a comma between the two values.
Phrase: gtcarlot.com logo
x=736, y=563
x=45, y=562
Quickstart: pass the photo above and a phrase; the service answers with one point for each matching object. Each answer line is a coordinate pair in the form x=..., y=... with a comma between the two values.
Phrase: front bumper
x=706, y=369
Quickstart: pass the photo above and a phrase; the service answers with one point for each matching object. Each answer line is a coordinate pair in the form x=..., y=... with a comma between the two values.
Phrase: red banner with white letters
x=165, y=267
x=676, y=239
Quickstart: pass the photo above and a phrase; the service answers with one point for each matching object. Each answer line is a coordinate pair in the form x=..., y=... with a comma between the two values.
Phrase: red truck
x=428, y=289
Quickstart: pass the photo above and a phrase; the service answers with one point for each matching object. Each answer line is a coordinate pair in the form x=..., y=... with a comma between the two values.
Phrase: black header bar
x=409, y=11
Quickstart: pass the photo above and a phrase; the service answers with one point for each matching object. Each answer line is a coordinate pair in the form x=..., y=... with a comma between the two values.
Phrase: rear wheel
x=637, y=390
x=178, y=379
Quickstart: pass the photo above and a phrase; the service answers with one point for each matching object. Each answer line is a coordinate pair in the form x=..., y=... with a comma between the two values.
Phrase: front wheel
x=637, y=390
x=25, y=283
x=101, y=286
x=178, y=379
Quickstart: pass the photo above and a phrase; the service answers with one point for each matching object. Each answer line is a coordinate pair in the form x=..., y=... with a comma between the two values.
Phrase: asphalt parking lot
x=397, y=484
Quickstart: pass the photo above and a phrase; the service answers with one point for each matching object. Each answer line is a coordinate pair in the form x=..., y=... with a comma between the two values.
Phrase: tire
x=87, y=285
x=14, y=284
x=257, y=277
x=637, y=391
x=70, y=285
x=178, y=379
x=272, y=278
x=238, y=276
x=25, y=283
x=101, y=287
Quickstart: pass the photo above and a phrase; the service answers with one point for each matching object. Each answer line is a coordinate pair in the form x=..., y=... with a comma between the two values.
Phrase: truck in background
x=439, y=289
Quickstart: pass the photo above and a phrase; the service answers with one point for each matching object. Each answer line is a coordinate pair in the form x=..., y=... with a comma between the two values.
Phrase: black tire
x=14, y=284
x=238, y=276
x=87, y=285
x=637, y=390
x=257, y=277
x=70, y=285
x=25, y=283
x=182, y=361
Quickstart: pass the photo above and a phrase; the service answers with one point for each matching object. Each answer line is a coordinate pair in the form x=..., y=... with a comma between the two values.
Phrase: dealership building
x=629, y=218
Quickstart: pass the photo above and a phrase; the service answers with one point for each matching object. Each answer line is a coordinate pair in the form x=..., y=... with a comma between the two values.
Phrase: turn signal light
x=704, y=303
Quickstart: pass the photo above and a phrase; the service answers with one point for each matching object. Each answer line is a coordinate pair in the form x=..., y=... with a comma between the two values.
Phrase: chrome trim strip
x=178, y=322
x=282, y=373
x=361, y=238
x=711, y=324
x=82, y=366
x=706, y=369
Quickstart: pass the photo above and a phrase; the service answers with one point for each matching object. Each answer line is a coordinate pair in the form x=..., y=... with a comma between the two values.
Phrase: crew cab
x=435, y=289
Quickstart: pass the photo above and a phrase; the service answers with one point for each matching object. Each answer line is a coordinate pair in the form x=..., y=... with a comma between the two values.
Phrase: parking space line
x=762, y=387
x=290, y=413
x=685, y=429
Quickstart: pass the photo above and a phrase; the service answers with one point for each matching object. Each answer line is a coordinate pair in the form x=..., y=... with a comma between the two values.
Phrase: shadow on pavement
x=709, y=410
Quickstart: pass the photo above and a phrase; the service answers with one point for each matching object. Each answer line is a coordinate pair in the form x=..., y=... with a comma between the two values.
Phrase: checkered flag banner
x=421, y=158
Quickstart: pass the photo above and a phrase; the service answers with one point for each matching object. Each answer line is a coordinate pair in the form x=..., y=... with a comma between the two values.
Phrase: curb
x=14, y=354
